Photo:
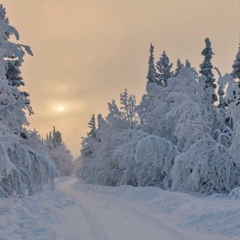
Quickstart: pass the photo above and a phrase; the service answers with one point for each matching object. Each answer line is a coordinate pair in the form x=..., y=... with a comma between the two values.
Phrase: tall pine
x=164, y=70
x=206, y=71
x=179, y=66
x=236, y=67
x=151, y=76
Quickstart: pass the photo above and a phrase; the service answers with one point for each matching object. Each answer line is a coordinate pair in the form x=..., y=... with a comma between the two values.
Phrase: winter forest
x=164, y=167
x=184, y=135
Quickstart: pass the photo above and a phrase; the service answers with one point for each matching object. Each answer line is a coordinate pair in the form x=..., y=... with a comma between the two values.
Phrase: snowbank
x=215, y=214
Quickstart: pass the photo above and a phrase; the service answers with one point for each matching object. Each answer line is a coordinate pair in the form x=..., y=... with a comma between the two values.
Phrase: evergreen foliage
x=92, y=126
x=188, y=64
x=179, y=66
x=236, y=67
x=164, y=70
x=206, y=71
x=151, y=76
x=58, y=153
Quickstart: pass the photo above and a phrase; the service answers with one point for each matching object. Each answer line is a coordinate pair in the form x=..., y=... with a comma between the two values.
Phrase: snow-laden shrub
x=206, y=167
x=23, y=170
x=146, y=162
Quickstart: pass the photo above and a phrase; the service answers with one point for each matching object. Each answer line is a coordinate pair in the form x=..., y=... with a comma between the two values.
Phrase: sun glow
x=61, y=108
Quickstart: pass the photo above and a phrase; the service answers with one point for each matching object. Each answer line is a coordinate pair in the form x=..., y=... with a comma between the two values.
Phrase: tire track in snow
x=97, y=230
x=137, y=222
x=143, y=215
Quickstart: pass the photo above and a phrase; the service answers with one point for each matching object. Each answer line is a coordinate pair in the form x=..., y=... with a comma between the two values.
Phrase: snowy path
x=124, y=213
x=98, y=217
x=76, y=211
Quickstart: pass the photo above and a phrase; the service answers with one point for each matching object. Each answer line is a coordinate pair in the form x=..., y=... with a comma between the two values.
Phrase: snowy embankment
x=77, y=211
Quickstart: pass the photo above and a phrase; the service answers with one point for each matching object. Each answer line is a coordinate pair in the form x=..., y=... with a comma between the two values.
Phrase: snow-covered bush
x=147, y=161
x=206, y=167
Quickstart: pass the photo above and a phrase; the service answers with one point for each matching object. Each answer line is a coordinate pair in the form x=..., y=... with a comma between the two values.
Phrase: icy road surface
x=77, y=211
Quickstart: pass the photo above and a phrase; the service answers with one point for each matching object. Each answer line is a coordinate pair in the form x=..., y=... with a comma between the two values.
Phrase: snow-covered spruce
x=58, y=153
x=23, y=170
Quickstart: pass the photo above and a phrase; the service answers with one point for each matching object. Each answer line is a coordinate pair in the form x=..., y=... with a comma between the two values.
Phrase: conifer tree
x=179, y=66
x=99, y=119
x=188, y=64
x=23, y=169
x=206, y=71
x=58, y=153
x=236, y=68
x=14, y=60
x=92, y=126
x=164, y=70
x=151, y=76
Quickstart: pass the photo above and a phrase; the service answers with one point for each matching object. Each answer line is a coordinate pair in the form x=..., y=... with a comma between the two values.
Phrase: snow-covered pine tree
x=236, y=67
x=59, y=154
x=57, y=138
x=126, y=116
x=179, y=66
x=164, y=70
x=207, y=74
x=187, y=64
x=23, y=170
x=92, y=126
x=151, y=76
x=236, y=75
x=128, y=109
x=98, y=165
x=221, y=93
x=14, y=60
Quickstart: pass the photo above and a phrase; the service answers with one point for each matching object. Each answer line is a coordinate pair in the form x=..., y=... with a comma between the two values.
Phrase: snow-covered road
x=76, y=211
x=97, y=217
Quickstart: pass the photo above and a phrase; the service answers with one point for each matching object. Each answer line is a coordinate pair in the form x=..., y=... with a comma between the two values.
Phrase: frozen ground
x=76, y=211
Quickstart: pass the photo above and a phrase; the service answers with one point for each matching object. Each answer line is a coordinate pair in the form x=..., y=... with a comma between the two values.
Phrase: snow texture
x=77, y=211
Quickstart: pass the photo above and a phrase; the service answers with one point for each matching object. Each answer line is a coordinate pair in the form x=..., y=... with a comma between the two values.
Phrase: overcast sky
x=86, y=52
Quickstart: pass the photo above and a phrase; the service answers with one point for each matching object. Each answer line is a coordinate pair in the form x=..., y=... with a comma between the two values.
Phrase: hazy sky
x=86, y=52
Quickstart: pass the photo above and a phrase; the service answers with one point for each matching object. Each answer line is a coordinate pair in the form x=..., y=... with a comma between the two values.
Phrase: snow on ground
x=76, y=211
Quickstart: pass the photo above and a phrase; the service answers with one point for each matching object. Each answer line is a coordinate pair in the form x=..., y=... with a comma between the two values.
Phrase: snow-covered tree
x=207, y=167
x=181, y=140
x=126, y=116
x=206, y=71
x=236, y=67
x=151, y=76
x=179, y=66
x=92, y=126
x=97, y=154
x=14, y=59
x=187, y=64
x=145, y=160
x=59, y=154
x=23, y=170
x=164, y=70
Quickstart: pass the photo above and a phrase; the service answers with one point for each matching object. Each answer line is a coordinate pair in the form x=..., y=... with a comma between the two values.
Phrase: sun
x=61, y=108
